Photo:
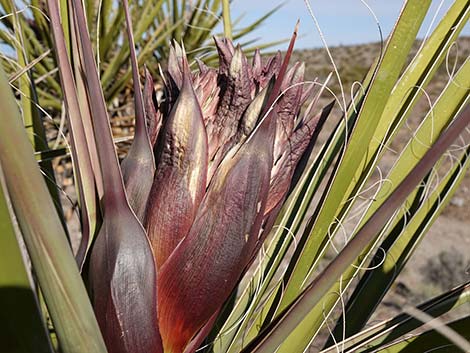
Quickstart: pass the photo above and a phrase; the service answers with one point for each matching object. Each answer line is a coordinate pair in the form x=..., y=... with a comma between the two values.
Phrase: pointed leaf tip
x=282, y=72
x=138, y=167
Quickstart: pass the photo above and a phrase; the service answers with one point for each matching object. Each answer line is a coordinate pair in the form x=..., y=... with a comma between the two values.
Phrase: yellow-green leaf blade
x=23, y=329
x=44, y=236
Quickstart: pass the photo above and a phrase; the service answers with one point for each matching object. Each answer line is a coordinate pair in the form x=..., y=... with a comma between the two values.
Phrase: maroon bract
x=180, y=180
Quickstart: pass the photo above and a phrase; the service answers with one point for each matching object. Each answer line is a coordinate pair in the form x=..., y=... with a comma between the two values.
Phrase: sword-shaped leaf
x=122, y=272
x=390, y=330
x=388, y=70
x=411, y=223
x=44, y=236
x=434, y=340
x=279, y=329
x=138, y=168
x=23, y=329
x=82, y=161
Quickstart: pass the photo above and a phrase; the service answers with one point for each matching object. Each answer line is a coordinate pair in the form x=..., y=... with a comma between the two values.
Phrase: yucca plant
x=217, y=186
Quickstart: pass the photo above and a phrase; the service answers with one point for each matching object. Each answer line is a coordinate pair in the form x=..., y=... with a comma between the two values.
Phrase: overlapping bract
x=227, y=143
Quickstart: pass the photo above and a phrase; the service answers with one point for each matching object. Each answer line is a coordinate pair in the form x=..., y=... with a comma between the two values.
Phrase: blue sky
x=342, y=21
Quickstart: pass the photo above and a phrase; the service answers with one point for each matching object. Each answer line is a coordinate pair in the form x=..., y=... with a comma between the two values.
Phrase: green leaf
x=433, y=340
x=386, y=74
x=227, y=19
x=404, y=96
x=390, y=330
x=23, y=329
x=83, y=169
x=52, y=258
x=32, y=115
x=410, y=225
x=280, y=328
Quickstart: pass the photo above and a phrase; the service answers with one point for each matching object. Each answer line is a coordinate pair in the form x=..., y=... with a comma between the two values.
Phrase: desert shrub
x=447, y=269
